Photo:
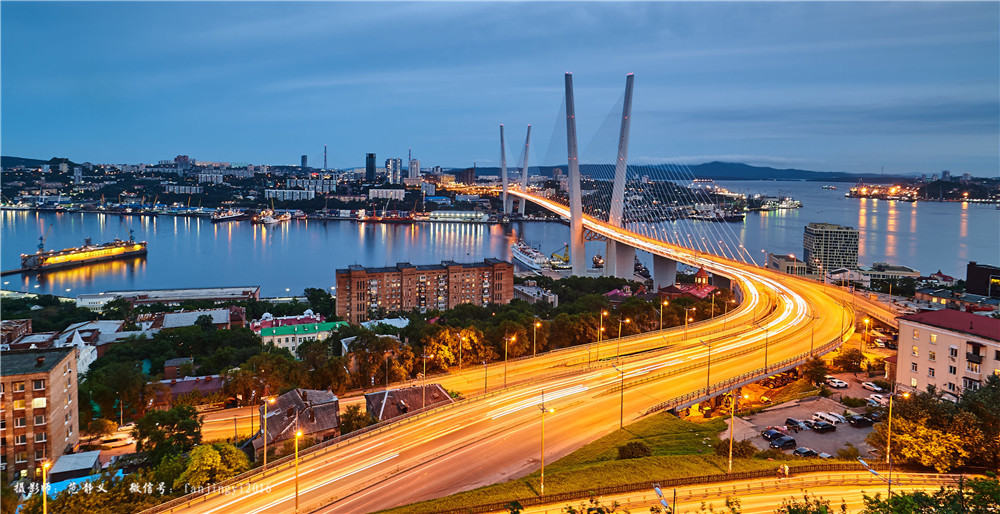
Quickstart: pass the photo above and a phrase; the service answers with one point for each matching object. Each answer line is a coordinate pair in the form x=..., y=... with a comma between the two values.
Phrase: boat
x=560, y=260
x=269, y=217
x=223, y=216
x=598, y=261
x=830, y=187
x=87, y=254
x=528, y=256
x=719, y=216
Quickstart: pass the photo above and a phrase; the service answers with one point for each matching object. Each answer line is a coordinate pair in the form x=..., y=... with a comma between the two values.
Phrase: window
x=933, y=338
x=951, y=386
x=914, y=351
x=20, y=422
x=3, y=425
x=952, y=370
x=913, y=367
x=931, y=356
x=38, y=385
x=930, y=372
x=21, y=439
x=913, y=382
x=18, y=404
x=996, y=356
x=953, y=351
x=916, y=334
x=40, y=437
x=38, y=403
x=21, y=457
x=970, y=384
x=40, y=419
x=18, y=387
x=972, y=367
x=39, y=454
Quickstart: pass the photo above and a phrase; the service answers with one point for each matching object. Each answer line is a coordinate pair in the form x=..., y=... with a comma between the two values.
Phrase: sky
x=908, y=87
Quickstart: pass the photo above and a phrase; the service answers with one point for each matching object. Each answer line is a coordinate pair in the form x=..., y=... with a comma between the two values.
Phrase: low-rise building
x=942, y=279
x=267, y=320
x=206, y=385
x=291, y=336
x=75, y=465
x=531, y=293
x=315, y=413
x=38, y=393
x=384, y=405
x=956, y=300
x=949, y=349
x=12, y=329
x=886, y=271
x=787, y=264
x=284, y=195
x=170, y=297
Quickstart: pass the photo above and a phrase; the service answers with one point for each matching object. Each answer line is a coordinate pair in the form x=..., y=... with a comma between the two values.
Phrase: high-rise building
x=405, y=287
x=40, y=402
x=414, y=170
x=467, y=176
x=982, y=279
x=324, y=157
x=77, y=175
x=305, y=161
x=826, y=247
x=370, y=168
x=394, y=168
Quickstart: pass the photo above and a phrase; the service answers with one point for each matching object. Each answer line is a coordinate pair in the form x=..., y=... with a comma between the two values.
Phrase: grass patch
x=680, y=448
x=801, y=388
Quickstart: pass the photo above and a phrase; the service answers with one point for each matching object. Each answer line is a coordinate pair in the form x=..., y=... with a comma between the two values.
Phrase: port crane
x=43, y=238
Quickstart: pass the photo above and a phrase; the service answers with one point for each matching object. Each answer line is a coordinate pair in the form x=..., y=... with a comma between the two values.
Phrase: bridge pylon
x=620, y=258
x=503, y=172
x=578, y=254
x=524, y=173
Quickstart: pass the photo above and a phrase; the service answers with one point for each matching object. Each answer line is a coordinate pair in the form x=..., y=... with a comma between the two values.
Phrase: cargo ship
x=222, y=216
x=528, y=256
x=87, y=254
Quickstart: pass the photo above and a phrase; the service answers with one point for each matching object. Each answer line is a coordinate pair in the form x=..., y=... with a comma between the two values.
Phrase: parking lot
x=828, y=442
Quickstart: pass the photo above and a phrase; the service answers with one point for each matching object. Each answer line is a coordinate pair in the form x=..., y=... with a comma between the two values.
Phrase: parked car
x=838, y=417
x=784, y=442
x=804, y=451
x=822, y=426
x=808, y=423
x=875, y=415
x=836, y=383
x=879, y=399
x=825, y=417
x=783, y=430
x=771, y=435
x=795, y=424
x=824, y=455
x=126, y=427
x=117, y=440
x=860, y=421
x=871, y=387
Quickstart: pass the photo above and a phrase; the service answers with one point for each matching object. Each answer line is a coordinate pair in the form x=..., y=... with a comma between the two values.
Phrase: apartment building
x=38, y=398
x=406, y=287
x=949, y=349
x=826, y=246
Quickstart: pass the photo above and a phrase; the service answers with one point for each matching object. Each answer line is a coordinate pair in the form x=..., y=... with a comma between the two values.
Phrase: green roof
x=25, y=362
x=305, y=328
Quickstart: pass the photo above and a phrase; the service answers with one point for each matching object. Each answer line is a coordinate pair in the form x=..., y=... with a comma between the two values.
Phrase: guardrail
x=669, y=483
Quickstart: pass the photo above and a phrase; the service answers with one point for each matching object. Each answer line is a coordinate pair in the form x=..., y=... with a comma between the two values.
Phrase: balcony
x=974, y=357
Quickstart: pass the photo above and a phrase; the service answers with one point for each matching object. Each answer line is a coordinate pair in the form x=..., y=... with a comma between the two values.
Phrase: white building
x=391, y=194
x=827, y=246
x=211, y=178
x=949, y=349
x=289, y=194
x=414, y=170
x=320, y=185
x=183, y=190
x=394, y=169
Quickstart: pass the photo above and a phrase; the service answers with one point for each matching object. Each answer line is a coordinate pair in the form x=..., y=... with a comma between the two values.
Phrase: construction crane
x=43, y=238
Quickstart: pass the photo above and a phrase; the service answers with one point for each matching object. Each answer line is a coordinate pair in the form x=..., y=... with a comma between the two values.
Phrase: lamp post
x=621, y=399
x=506, y=341
x=460, y=346
x=708, y=372
x=888, y=437
x=867, y=323
x=732, y=421
x=726, y=313
x=266, y=401
x=534, y=338
x=713, y=304
x=544, y=412
x=600, y=334
x=619, y=342
x=686, y=320
x=423, y=380
x=663, y=304
x=764, y=328
x=298, y=434
x=486, y=377
x=45, y=486
x=387, y=372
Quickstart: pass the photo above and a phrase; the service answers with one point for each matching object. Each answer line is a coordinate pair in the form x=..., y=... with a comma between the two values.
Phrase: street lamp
x=544, y=412
x=298, y=434
x=267, y=400
x=713, y=303
x=534, y=336
x=708, y=372
x=619, y=342
x=867, y=323
x=621, y=399
x=45, y=486
x=506, y=341
x=686, y=320
x=764, y=327
x=663, y=304
x=423, y=379
x=726, y=313
x=732, y=422
x=888, y=437
x=460, y=346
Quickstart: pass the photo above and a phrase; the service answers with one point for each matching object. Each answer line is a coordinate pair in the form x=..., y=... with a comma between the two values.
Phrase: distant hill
x=714, y=170
x=8, y=161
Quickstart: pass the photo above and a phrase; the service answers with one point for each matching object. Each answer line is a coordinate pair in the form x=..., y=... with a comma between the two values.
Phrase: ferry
x=528, y=256
x=228, y=215
x=598, y=261
x=830, y=187
x=269, y=217
x=87, y=254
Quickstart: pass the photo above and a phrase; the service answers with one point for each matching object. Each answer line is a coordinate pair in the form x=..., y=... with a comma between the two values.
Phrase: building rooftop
x=383, y=405
x=188, y=318
x=958, y=321
x=307, y=328
x=24, y=362
x=189, y=293
x=76, y=462
x=179, y=361
x=421, y=267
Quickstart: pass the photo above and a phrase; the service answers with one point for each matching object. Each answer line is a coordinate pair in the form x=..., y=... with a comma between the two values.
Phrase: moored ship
x=82, y=255
x=528, y=256
x=228, y=215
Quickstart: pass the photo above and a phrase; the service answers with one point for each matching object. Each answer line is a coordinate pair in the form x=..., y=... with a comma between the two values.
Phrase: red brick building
x=406, y=287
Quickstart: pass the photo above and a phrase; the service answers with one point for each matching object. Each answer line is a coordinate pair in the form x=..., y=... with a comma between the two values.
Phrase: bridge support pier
x=620, y=260
x=664, y=272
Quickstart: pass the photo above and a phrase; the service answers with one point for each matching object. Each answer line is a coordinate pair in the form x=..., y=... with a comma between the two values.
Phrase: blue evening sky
x=852, y=87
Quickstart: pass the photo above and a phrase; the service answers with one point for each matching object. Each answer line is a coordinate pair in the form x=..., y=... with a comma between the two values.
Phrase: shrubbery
x=634, y=450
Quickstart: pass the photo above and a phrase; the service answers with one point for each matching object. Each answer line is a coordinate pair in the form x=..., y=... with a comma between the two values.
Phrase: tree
x=815, y=370
x=917, y=443
x=101, y=428
x=975, y=496
x=205, y=322
x=849, y=359
x=122, y=309
x=168, y=432
x=211, y=463
x=354, y=418
x=808, y=505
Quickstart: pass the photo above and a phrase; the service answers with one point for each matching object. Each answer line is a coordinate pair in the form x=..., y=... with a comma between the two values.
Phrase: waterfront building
x=370, y=168
x=786, y=264
x=289, y=194
x=951, y=350
x=170, y=297
x=290, y=336
x=982, y=279
x=390, y=194
x=886, y=271
x=38, y=390
x=182, y=190
x=394, y=168
x=531, y=293
x=211, y=178
x=827, y=246
x=405, y=287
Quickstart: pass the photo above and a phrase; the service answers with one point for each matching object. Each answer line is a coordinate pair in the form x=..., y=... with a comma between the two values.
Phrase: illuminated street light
x=621, y=399
x=663, y=304
x=45, y=486
x=888, y=437
x=687, y=319
x=619, y=343
x=708, y=373
x=732, y=420
x=506, y=341
x=268, y=400
x=423, y=379
x=763, y=327
x=534, y=336
x=298, y=434
x=462, y=344
x=544, y=412
x=867, y=323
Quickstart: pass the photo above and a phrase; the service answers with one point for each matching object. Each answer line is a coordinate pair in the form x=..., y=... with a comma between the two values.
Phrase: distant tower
x=305, y=161
x=413, y=171
x=324, y=157
x=77, y=175
x=394, y=168
x=370, y=168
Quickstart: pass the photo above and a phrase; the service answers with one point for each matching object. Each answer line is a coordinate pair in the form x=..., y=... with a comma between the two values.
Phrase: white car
x=879, y=399
x=825, y=416
x=126, y=427
x=838, y=417
x=871, y=387
x=836, y=383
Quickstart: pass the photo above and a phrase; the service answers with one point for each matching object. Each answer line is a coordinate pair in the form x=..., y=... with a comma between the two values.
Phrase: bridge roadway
x=494, y=437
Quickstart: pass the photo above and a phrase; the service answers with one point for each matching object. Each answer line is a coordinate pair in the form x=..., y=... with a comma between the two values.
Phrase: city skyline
x=908, y=86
